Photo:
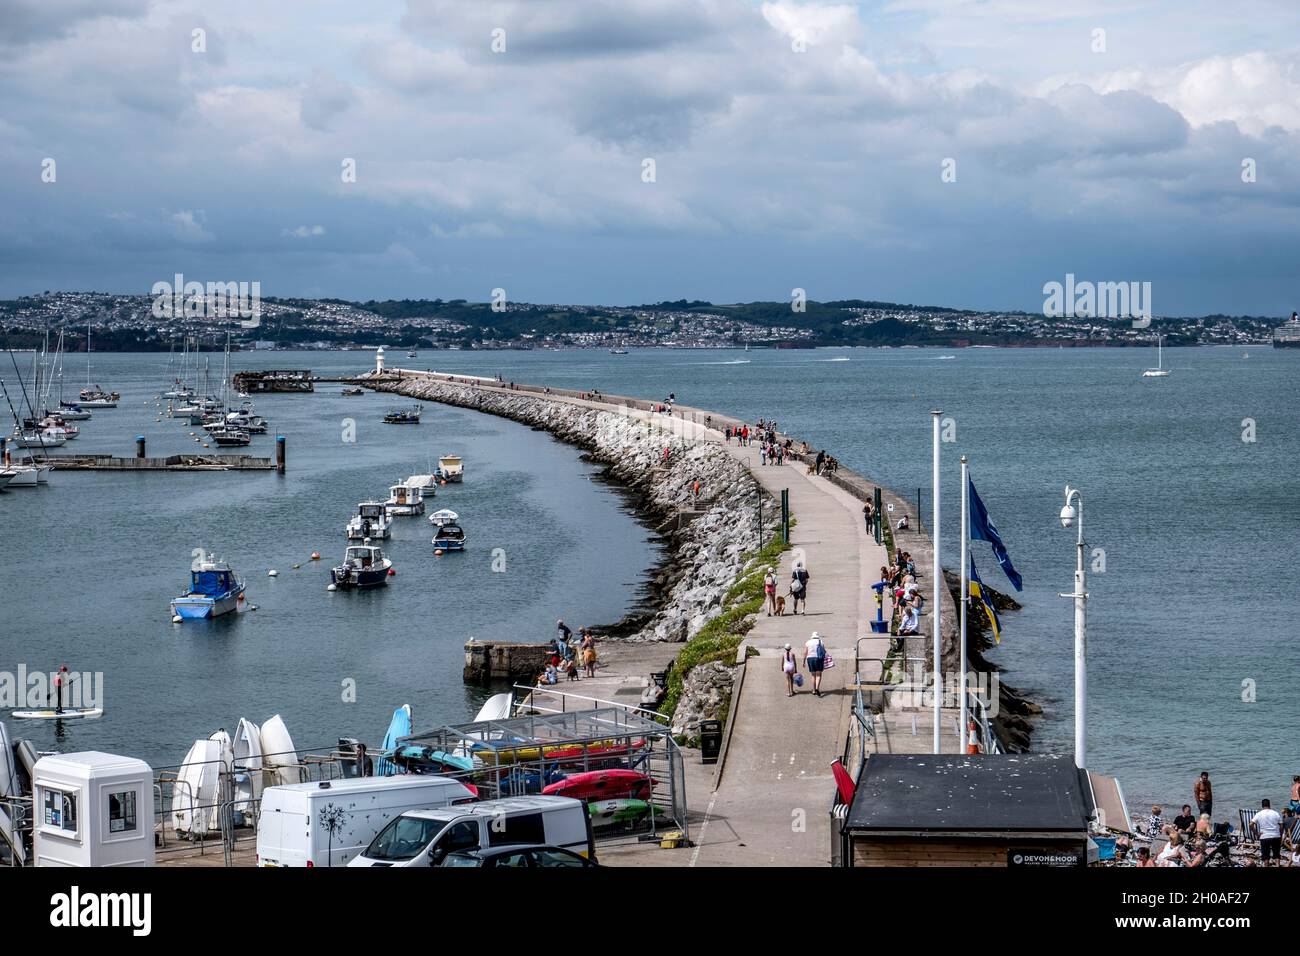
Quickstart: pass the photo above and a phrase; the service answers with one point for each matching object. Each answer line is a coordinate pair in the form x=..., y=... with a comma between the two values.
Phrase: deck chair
x=1247, y=828
x=1291, y=842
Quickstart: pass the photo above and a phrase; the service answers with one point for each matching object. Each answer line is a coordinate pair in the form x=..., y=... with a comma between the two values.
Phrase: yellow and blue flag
x=982, y=529
x=977, y=593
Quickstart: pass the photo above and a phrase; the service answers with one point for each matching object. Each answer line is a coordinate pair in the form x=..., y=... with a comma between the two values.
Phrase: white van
x=329, y=822
x=425, y=837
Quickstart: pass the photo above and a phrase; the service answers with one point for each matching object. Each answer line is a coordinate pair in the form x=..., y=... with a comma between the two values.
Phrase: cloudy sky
x=794, y=144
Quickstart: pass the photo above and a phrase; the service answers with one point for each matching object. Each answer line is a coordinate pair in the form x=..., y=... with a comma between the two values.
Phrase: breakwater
x=661, y=461
x=705, y=549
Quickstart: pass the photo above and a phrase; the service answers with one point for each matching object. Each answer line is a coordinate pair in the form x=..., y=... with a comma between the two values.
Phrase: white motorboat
x=72, y=412
x=370, y=521
x=428, y=484
x=451, y=468
x=404, y=499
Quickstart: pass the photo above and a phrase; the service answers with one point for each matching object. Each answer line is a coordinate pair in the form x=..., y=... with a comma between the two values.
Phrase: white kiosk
x=92, y=809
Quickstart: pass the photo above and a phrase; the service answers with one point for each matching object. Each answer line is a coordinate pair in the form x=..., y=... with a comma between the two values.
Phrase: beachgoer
x=589, y=655
x=799, y=587
x=902, y=524
x=1203, y=794
x=769, y=588
x=1268, y=823
x=1185, y=821
x=1144, y=857
x=1155, y=823
x=911, y=622
x=565, y=634
x=789, y=667
x=815, y=658
x=1174, y=854
x=1295, y=794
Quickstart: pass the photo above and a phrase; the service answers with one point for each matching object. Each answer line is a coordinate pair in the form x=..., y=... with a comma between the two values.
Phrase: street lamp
x=1071, y=515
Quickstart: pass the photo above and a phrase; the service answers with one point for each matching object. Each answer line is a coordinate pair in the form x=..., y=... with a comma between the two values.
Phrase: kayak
x=68, y=713
x=603, y=785
x=427, y=760
x=528, y=752
x=518, y=781
x=610, y=813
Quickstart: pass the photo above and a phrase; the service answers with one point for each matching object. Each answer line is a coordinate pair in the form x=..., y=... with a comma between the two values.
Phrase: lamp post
x=938, y=585
x=1070, y=515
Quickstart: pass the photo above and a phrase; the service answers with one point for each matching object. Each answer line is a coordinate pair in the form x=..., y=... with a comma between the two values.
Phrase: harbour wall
x=629, y=435
x=659, y=460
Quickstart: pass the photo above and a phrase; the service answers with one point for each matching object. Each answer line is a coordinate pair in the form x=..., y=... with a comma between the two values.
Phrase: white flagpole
x=965, y=586
x=938, y=583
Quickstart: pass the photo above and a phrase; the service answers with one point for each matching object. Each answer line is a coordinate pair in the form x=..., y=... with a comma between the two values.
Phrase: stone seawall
x=706, y=538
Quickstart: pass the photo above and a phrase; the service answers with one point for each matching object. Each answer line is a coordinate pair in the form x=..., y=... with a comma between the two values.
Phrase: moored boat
x=364, y=566
x=72, y=412
x=449, y=536
x=451, y=468
x=353, y=391
x=98, y=398
x=370, y=521
x=214, y=590
x=404, y=499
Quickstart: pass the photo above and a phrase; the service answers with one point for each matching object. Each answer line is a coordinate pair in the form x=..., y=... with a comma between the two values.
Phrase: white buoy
x=176, y=618
x=273, y=573
x=332, y=587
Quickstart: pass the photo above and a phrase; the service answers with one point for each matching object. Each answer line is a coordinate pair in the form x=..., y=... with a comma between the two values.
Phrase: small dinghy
x=279, y=759
x=450, y=536
x=364, y=566
x=194, y=792
x=247, y=745
x=498, y=707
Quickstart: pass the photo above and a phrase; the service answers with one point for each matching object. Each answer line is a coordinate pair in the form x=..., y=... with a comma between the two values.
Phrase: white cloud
x=304, y=232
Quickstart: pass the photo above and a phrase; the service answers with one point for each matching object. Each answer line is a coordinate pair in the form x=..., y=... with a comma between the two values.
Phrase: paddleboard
x=609, y=813
x=69, y=713
x=398, y=727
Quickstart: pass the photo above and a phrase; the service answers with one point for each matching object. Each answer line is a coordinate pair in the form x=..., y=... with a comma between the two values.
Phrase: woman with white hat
x=769, y=589
x=790, y=667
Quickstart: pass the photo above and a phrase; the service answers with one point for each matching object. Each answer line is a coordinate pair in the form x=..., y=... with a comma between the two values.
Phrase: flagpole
x=938, y=584
x=965, y=585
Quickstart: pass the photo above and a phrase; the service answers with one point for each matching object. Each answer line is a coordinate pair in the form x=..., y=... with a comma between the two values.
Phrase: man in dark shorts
x=1204, y=794
x=1269, y=824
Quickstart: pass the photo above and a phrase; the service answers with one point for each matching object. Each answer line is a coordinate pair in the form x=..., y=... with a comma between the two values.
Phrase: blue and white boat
x=398, y=727
x=449, y=535
x=214, y=590
x=364, y=566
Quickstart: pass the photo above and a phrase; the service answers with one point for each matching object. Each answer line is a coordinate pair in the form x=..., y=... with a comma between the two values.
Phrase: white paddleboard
x=69, y=713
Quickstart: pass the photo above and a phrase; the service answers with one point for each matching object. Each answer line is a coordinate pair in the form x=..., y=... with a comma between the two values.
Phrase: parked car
x=511, y=856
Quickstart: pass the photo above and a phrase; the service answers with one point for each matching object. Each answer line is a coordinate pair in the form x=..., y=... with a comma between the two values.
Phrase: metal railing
x=528, y=702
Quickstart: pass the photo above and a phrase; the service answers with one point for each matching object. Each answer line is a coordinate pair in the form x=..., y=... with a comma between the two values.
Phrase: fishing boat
x=370, y=521
x=353, y=390
x=1159, y=371
x=364, y=566
x=214, y=590
x=451, y=468
x=403, y=416
x=404, y=499
x=449, y=536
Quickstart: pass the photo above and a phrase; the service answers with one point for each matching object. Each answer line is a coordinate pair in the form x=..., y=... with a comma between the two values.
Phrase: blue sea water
x=1192, y=626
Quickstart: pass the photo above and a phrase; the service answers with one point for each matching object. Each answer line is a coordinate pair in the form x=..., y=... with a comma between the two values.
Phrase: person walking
x=1204, y=794
x=815, y=658
x=789, y=667
x=868, y=517
x=769, y=589
x=589, y=654
x=799, y=587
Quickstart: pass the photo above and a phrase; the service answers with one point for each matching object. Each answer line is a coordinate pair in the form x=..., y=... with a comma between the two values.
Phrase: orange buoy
x=241, y=597
x=315, y=555
x=443, y=482
x=437, y=551
x=392, y=571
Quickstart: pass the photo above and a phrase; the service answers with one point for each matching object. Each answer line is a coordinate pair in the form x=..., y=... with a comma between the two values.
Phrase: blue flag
x=977, y=592
x=982, y=529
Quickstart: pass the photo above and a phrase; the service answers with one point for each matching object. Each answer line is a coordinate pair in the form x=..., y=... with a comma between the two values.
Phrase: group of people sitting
x=900, y=576
x=566, y=658
x=1194, y=840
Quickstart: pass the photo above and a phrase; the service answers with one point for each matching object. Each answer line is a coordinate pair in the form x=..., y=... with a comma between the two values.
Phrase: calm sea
x=1192, y=648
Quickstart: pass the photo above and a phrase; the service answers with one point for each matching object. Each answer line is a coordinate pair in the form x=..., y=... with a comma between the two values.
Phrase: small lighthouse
x=379, y=361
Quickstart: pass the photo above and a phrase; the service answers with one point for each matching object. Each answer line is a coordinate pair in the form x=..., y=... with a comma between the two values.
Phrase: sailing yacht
x=1159, y=371
x=94, y=396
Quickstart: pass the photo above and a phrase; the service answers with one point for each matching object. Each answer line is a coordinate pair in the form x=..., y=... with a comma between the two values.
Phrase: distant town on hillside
x=128, y=323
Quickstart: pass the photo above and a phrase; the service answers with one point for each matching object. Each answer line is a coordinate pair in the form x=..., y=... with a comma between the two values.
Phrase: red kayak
x=603, y=785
